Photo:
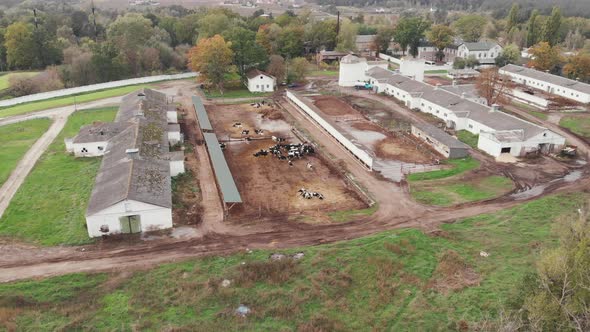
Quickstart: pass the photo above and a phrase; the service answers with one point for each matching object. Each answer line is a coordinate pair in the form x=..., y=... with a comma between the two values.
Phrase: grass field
x=436, y=72
x=578, y=124
x=331, y=73
x=64, y=101
x=459, y=166
x=16, y=139
x=539, y=114
x=468, y=138
x=399, y=280
x=4, y=79
x=237, y=93
x=445, y=192
x=49, y=207
x=347, y=215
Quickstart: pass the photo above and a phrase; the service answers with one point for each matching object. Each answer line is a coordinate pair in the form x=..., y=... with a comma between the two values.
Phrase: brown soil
x=269, y=186
x=453, y=273
x=333, y=106
x=398, y=149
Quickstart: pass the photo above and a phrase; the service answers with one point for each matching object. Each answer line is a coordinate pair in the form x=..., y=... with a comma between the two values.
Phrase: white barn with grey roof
x=498, y=132
x=485, y=52
x=132, y=192
x=557, y=85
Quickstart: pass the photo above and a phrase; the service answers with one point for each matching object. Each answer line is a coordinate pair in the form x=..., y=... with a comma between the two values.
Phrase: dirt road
x=395, y=210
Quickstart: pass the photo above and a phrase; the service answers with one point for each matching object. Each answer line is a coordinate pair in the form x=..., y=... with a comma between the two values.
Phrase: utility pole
x=338, y=24
x=94, y=21
x=38, y=37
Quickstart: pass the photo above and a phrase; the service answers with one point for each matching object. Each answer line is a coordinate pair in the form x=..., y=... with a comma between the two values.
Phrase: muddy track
x=396, y=210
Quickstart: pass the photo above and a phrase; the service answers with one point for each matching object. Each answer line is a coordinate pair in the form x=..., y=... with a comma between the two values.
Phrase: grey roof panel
x=441, y=136
x=201, y=114
x=546, y=77
x=226, y=182
x=480, y=46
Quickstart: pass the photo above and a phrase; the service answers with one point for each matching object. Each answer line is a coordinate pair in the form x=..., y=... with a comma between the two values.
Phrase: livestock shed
x=440, y=141
x=225, y=181
x=132, y=192
x=202, y=116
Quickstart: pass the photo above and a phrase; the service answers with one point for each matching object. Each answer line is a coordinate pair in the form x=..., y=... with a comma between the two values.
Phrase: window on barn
x=100, y=148
x=84, y=150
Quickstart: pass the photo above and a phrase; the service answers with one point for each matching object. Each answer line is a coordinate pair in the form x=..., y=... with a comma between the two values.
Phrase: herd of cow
x=309, y=194
x=287, y=151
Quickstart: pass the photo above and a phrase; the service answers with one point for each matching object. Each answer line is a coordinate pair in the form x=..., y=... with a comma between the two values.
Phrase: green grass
x=459, y=166
x=348, y=215
x=49, y=207
x=446, y=193
x=16, y=139
x=577, y=124
x=331, y=73
x=380, y=282
x=540, y=115
x=235, y=93
x=468, y=138
x=4, y=79
x=64, y=101
x=437, y=71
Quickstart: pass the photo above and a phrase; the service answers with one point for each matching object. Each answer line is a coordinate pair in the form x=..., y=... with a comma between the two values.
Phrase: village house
x=484, y=51
x=259, y=81
x=132, y=192
x=498, y=132
x=553, y=84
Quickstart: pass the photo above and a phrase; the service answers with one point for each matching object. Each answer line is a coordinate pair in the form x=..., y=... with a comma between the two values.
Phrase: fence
x=307, y=108
x=91, y=88
x=390, y=58
x=530, y=99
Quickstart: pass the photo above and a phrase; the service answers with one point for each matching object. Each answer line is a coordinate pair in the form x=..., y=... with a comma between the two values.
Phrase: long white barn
x=498, y=132
x=550, y=83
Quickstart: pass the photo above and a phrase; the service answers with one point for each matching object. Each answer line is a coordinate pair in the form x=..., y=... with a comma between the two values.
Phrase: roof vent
x=495, y=108
x=463, y=95
x=454, y=82
x=437, y=86
x=132, y=151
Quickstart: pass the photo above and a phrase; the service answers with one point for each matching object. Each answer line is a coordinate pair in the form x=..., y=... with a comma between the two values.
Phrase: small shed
x=259, y=81
x=440, y=141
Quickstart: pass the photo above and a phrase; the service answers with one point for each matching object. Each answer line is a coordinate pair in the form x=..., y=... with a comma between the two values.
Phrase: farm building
x=498, y=132
x=440, y=141
x=364, y=43
x=132, y=192
x=466, y=73
x=485, y=52
x=550, y=83
x=353, y=69
x=259, y=81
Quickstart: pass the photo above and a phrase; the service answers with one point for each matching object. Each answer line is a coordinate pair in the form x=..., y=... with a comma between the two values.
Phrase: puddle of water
x=366, y=137
x=573, y=176
x=581, y=162
x=539, y=189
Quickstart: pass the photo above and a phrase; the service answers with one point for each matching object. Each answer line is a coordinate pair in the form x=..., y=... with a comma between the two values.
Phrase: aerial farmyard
x=317, y=165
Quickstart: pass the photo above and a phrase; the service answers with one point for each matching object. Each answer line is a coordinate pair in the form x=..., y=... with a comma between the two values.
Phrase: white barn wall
x=91, y=88
x=548, y=87
x=92, y=147
x=176, y=167
x=261, y=83
x=360, y=154
x=152, y=217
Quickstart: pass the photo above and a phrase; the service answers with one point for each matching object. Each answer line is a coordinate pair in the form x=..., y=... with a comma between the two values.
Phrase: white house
x=498, y=132
x=353, y=69
x=259, y=81
x=485, y=52
x=132, y=192
x=550, y=83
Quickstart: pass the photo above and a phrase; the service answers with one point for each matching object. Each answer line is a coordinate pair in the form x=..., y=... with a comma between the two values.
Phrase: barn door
x=130, y=224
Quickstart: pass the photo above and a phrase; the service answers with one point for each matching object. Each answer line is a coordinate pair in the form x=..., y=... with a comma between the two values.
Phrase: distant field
x=4, y=78
x=459, y=166
x=15, y=140
x=49, y=207
x=578, y=124
x=401, y=280
x=64, y=101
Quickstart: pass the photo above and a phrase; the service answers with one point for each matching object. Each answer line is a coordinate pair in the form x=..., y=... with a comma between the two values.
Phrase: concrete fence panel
x=356, y=151
x=92, y=87
x=390, y=58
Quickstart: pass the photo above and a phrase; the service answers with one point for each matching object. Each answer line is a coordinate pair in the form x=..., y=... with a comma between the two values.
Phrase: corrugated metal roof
x=226, y=182
x=480, y=46
x=201, y=114
x=549, y=78
x=441, y=136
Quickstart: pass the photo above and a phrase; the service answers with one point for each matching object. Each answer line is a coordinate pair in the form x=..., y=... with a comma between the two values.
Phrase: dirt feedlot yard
x=269, y=186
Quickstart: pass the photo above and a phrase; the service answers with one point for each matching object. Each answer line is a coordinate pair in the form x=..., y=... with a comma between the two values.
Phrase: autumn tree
x=321, y=35
x=20, y=45
x=470, y=27
x=544, y=56
x=291, y=41
x=493, y=86
x=212, y=59
x=276, y=67
x=578, y=67
x=247, y=53
x=346, y=40
x=532, y=30
x=441, y=36
x=383, y=39
x=510, y=54
x=512, y=19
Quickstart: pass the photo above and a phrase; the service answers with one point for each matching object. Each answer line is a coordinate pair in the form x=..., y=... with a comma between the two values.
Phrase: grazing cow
x=245, y=132
x=222, y=146
x=309, y=166
x=237, y=125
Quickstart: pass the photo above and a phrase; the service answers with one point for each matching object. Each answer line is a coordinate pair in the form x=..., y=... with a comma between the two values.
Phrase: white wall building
x=353, y=69
x=259, y=81
x=550, y=83
x=413, y=68
x=132, y=192
x=485, y=52
x=499, y=132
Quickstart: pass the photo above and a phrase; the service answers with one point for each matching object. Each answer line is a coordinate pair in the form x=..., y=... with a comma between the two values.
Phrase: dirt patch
x=402, y=150
x=333, y=106
x=452, y=273
x=269, y=186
